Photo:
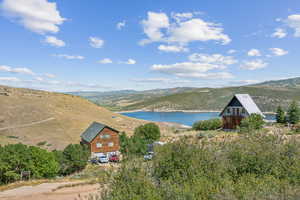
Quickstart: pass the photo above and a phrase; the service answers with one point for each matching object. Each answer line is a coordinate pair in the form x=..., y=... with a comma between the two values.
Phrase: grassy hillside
x=32, y=117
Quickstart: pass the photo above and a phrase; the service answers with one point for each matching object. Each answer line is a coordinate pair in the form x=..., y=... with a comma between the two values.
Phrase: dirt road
x=50, y=191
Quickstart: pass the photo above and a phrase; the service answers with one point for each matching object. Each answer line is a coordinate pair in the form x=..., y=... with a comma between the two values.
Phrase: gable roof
x=247, y=103
x=93, y=130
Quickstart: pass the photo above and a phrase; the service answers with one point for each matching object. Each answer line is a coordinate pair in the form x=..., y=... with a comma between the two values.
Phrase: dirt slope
x=31, y=116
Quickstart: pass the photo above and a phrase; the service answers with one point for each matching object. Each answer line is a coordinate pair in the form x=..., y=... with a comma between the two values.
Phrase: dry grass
x=71, y=116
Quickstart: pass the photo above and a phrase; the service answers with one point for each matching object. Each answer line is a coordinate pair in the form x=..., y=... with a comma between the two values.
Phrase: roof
x=93, y=130
x=247, y=103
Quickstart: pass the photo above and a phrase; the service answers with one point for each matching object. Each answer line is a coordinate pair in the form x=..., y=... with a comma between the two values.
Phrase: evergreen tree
x=293, y=113
x=280, y=115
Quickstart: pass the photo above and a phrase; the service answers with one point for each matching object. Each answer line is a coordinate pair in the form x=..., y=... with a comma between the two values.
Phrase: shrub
x=149, y=132
x=252, y=123
x=41, y=143
x=293, y=113
x=132, y=145
x=211, y=124
x=280, y=115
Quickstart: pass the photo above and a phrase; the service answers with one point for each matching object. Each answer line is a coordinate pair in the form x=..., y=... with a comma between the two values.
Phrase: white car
x=149, y=156
x=103, y=159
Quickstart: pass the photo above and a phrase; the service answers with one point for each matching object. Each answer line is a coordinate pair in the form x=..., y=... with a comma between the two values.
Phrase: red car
x=114, y=158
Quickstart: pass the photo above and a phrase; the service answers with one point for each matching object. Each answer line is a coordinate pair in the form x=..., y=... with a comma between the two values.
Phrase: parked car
x=103, y=158
x=94, y=161
x=149, y=155
x=114, y=158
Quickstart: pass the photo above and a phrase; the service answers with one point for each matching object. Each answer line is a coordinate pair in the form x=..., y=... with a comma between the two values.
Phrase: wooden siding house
x=239, y=107
x=101, y=139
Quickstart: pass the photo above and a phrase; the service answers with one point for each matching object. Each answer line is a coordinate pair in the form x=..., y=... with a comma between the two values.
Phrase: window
x=98, y=145
x=111, y=144
x=105, y=136
x=228, y=110
x=243, y=110
x=237, y=111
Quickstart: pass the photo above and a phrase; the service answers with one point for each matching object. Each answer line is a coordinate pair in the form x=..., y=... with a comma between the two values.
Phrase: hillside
x=267, y=95
x=31, y=116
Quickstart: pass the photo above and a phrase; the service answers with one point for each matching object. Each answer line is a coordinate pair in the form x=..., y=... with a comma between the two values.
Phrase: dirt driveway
x=49, y=191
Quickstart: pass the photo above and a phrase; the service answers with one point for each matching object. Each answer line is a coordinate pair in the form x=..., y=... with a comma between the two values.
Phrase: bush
x=252, y=123
x=211, y=124
x=149, y=132
x=15, y=158
x=72, y=159
x=280, y=116
x=240, y=169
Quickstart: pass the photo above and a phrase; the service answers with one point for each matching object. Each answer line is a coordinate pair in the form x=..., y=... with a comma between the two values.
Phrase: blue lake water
x=186, y=118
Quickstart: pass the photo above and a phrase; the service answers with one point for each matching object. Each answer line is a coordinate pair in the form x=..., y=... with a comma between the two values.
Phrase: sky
x=95, y=45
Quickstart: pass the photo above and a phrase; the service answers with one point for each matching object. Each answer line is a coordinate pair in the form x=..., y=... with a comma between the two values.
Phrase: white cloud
x=159, y=29
x=172, y=48
x=231, y=51
x=254, y=52
x=9, y=79
x=278, y=51
x=106, y=61
x=39, y=16
x=153, y=25
x=69, y=57
x=182, y=16
x=293, y=21
x=130, y=62
x=121, y=25
x=244, y=82
x=50, y=75
x=96, y=42
x=53, y=41
x=254, y=64
x=279, y=33
x=217, y=59
x=20, y=70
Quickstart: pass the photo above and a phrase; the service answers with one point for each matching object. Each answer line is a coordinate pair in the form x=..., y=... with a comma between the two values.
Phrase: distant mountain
x=268, y=95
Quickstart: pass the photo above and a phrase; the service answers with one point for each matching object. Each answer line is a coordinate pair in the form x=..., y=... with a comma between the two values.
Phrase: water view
x=186, y=118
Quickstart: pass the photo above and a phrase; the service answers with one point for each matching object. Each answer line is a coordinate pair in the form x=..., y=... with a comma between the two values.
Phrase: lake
x=186, y=118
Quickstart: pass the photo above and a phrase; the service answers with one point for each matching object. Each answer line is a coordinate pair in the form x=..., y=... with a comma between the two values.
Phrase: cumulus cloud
x=158, y=28
x=172, y=48
x=293, y=21
x=217, y=59
x=106, y=61
x=69, y=57
x=182, y=16
x=254, y=64
x=18, y=70
x=96, y=42
x=279, y=33
x=254, y=52
x=121, y=25
x=53, y=41
x=231, y=51
x=39, y=16
x=130, y=61
x=278, y=51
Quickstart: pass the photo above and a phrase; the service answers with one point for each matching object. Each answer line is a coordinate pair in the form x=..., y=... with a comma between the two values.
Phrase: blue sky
x=114, y=45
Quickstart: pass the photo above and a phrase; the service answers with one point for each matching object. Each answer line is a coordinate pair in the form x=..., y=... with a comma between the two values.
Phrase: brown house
x=239, y=107
x=101, y=139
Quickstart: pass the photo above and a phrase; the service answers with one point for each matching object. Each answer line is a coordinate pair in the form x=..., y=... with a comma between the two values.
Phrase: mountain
x=32, y=117
x=268, y=95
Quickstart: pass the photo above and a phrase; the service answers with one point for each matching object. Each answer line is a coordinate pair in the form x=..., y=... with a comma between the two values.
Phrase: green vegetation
x=205, y=125
x=239, y=169
x=137, y=144
x=293, y=113
x=17, y=158
x=252, y=123
x=41, y=143
x=280, y=115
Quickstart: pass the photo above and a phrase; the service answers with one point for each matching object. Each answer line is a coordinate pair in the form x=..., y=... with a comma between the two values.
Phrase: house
x=101, y=139
x=239, y=107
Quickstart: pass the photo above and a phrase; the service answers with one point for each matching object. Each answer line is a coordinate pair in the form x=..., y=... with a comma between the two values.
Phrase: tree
x=74, y=158
x=149, y=132
x=251, y=123
x=293, y=113
x=280, y=115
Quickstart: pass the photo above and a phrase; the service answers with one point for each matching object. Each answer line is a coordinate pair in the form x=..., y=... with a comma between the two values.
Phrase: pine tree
x=280, y=115
x=293, y=113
